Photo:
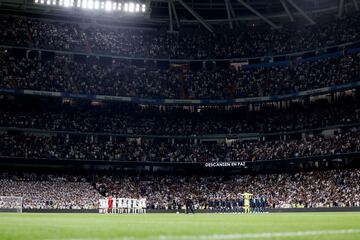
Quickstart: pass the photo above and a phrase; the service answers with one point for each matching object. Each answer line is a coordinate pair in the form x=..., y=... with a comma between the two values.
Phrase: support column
x=171, y=27
x=273, y=25
x=341, y=8
x=227, y=5
x=301, y=12
x=175, y=14
x=197, y=16
x=287, y=10
x=356, y=5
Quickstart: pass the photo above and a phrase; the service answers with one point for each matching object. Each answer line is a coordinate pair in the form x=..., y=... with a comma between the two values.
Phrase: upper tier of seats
x=251, y=42
x=118, y=78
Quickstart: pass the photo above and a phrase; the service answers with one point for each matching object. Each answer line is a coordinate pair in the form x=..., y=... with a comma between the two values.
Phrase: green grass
x=179, y=226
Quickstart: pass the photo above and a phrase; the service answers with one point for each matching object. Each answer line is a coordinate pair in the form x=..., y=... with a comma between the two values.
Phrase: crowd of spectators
x=110, y=148
x=334, y=188
x=50, y=191
x=59, y=36
x=14, y=32
x=337, y=188
x=125, y=119
x=63, y=74
x=249, y=42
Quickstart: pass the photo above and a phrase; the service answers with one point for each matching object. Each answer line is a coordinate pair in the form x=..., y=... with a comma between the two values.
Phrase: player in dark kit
x=189, y=206
x=241, y=204
x=211, y=204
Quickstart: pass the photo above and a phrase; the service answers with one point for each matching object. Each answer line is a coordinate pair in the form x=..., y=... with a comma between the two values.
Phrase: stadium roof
x=209, y=13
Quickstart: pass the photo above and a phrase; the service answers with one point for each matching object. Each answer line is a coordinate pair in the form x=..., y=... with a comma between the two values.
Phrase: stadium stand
x=308, y=189
x=100, y=148
x=312, y=189
x=50, y=192
x=302, y=134
x=159, y=44
x=119, y=79
x=179, y=119
x=173, y=121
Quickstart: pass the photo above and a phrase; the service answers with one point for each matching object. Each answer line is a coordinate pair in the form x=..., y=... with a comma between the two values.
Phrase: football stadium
x=179, y=119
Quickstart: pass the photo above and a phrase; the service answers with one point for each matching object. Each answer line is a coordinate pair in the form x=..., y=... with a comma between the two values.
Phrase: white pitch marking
x=267, y=235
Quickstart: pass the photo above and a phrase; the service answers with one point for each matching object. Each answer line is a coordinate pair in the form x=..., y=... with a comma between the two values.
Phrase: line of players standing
x=237, y=204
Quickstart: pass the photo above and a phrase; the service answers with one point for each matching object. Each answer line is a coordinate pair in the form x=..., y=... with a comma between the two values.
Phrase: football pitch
x=179, y=226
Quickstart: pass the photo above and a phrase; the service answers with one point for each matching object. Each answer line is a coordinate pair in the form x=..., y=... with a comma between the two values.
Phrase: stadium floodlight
x=66, y=3
x=137, y=7
x=119, y=6
x=108, y=6
x=143, y=8
x=126, y=7
x=42, y=1
x=96, y=5
x=90, y=4
x=54, y=2
x=36, y=1
x=84, y=4
x=131, y=7
x=114, y=6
